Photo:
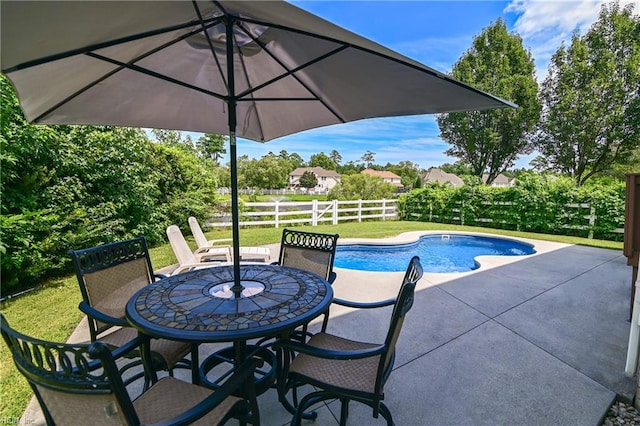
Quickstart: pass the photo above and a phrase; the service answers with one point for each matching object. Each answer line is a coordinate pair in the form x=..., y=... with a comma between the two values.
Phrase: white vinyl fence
x=282, y=213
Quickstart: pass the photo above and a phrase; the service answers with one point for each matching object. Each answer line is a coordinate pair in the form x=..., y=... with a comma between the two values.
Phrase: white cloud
x=539, y=18
x=544, y=25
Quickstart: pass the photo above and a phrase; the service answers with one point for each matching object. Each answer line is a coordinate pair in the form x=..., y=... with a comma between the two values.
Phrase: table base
x=223, y=362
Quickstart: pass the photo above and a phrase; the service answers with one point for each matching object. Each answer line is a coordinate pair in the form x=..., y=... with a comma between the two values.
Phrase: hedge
x=536, y=203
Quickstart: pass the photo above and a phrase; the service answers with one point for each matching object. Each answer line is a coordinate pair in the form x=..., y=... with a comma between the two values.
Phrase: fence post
x=430, y=212
x=314, y=213
x=276, y=211
x=360, y=210
x=462, y=213
x=335, y=212
x=384, y=209
x=592, y=221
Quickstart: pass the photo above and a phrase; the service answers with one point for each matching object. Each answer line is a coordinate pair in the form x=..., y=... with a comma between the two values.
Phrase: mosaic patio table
x=202, y=306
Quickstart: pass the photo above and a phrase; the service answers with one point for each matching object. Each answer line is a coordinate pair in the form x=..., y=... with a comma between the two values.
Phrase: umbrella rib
x=151, y=73
x=422, y=68
x=206, y=34
x=277, y=99
x=102, y=45
x=73, y=95
x=122, y=65
x=292, y=72
x=240, y=57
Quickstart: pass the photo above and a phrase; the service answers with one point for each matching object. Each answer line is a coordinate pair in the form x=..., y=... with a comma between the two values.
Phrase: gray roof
x=318, y=171
x=437, y=175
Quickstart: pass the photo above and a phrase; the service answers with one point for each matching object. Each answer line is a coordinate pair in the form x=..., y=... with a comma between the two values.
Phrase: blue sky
x=435, y=33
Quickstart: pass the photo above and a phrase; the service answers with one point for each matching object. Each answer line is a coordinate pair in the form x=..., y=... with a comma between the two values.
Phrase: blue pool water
x=438, y=253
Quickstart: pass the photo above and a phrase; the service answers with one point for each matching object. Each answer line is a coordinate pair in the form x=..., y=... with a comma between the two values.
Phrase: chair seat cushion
x=170, y=397
x=356, y=375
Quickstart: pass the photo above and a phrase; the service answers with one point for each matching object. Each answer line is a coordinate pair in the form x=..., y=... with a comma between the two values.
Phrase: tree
x=296, y=161
x=368, y=158
x=211, y=146
x=269, y=172
x=491, y=141
x=363, y=187
x=336, y=157
x=308, y=180
x=167, y=137
x=591, y=97
x=630, y=165
x=407, y=170
x=322, y=160
x=459, y=168
x=350, y=168
x=418, y=183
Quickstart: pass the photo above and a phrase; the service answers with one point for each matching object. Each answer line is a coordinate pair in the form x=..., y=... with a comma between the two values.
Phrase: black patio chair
x=108, y=276
x=346, y=369
x=311, y=251
x=79, y=384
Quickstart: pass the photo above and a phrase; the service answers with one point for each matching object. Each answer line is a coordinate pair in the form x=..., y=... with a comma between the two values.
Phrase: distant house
x=500, y=180
x=439, y=176
x=327, y=179
x=386, y=176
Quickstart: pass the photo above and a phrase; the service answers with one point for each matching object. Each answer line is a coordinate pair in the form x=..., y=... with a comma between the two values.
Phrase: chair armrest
x=327, y=353
x=158, y=276
x=242, y=376
x=363, y=305
x=97, y=315
x=121, y=351
x=213, y=242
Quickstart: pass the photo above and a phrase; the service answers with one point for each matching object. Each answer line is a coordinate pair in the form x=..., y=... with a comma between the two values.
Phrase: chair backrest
x=311, y=251
x=180, y=247
x=198, y=235
x=403, y=304
x=74, y=383
x=110, y=274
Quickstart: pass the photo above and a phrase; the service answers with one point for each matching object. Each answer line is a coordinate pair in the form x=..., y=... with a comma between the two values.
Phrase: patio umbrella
x=253, y=69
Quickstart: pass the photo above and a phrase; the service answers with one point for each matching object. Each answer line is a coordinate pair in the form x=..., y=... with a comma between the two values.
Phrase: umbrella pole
x=232, y=105
x=235, y=215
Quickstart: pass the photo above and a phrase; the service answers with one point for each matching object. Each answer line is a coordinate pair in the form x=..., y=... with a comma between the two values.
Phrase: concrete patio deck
x=534, y=340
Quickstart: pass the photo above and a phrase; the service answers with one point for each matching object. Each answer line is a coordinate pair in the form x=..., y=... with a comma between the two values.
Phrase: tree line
x=584, y=119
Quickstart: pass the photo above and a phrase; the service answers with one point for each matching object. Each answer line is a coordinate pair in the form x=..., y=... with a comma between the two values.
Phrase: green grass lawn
x=51, y=312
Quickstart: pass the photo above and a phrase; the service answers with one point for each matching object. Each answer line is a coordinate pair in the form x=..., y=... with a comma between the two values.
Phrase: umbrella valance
x=165, y=65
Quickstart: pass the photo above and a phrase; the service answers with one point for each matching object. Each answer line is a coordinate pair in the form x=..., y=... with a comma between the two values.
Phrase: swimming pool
x=438, y=253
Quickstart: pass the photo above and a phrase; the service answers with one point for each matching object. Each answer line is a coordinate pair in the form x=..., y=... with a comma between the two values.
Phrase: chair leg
x=384, y=410
x=325, y=321
x=344, y=411
x=306, y=402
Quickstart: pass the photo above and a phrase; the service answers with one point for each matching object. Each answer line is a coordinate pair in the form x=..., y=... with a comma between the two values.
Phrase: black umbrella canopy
x=255, y=69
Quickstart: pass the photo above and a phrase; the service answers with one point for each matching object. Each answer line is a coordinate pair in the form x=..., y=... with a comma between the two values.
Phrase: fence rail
x=282, y=213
